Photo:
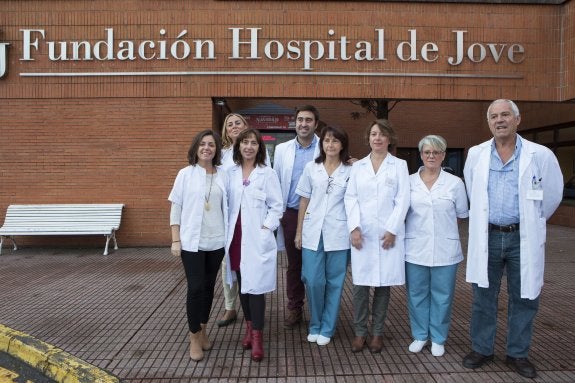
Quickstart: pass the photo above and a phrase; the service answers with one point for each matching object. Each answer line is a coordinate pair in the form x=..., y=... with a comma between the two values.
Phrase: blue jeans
x=503, y=254
x=323, y=273
x=430, y=296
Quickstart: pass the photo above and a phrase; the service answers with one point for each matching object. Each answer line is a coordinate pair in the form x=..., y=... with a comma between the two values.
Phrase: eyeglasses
x=435, y=153
x=329, y=185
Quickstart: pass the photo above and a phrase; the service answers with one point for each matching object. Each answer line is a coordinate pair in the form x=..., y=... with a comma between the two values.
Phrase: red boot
x=257, y=345
x=247, y=342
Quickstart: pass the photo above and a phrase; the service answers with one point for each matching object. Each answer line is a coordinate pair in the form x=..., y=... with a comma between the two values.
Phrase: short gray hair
x=435, y=141
x=514, y=107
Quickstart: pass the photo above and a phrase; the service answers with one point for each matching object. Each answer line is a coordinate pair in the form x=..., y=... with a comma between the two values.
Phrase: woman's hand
x=176, y=248
x=356, y=238
x=388, y=240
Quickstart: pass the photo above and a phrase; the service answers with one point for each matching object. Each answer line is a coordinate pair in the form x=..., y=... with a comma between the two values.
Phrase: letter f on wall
x=3, y=58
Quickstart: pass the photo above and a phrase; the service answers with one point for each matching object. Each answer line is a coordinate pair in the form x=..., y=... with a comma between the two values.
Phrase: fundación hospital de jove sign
x=248, y=44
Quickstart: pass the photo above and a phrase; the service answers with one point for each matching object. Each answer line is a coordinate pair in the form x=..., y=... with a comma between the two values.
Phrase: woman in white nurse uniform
x=376, y=202
x=432, y=246
x=322, y=232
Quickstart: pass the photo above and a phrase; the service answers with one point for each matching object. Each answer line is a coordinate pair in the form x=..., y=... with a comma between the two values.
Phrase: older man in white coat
x=514, y=186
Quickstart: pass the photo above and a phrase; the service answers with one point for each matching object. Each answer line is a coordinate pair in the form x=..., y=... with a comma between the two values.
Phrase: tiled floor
x=125, y=313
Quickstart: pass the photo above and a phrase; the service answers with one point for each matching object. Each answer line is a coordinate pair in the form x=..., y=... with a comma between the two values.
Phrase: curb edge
x=52, y=361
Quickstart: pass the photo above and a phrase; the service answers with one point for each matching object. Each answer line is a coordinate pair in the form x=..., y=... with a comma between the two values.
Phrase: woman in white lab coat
x=198, y=221
x=255, y=209
x=376, y=202
x=432, y=246
x=322, y=232
x=234, y=124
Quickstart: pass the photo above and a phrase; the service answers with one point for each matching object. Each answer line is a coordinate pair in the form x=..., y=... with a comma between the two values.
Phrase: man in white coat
x=514, y=186
x=290, y=159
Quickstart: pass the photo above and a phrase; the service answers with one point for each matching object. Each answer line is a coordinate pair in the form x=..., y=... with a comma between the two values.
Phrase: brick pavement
x=125, y=313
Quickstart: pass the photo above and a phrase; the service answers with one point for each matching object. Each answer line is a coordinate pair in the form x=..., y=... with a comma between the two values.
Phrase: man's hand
x=297, y=240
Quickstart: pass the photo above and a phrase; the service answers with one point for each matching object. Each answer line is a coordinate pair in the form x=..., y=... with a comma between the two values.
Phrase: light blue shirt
x=503, y=187
x=302, y=157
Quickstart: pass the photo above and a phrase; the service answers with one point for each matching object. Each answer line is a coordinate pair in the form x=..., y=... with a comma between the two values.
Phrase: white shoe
x=417, y=345
x=323, y=340
x=437, y=349
x=312, y=338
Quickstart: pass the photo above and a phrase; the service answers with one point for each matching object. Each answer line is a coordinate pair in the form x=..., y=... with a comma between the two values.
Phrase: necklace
x=207, y=198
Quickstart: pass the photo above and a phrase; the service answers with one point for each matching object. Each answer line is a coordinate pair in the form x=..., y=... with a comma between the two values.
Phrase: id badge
x=535, y=194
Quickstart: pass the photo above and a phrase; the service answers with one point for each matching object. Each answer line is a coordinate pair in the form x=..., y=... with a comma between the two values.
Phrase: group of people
x=330, y=209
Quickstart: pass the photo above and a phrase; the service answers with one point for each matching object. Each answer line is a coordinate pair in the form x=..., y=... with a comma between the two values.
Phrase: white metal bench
x=62, y=219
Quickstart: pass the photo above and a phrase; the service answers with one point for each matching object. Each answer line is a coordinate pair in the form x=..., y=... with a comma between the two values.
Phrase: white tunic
x=376, y=203
x=431, y=231
x=325, y=214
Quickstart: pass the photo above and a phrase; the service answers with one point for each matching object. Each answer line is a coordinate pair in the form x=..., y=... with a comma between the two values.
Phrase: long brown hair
x=193, y=151
x=261, y=154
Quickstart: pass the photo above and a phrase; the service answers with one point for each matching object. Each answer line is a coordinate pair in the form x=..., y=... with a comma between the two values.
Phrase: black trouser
x=201, y=271
x=253, y=306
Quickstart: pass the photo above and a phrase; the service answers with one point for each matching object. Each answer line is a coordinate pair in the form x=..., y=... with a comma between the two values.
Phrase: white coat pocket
x=338, y=187
x=267, y=241
x=257, y=198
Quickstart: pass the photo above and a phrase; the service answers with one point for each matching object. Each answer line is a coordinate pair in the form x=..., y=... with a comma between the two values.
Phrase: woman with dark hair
x=322, y=232
x=255, y=209
x=198, y=220
x=376, y=202
x=234, y=125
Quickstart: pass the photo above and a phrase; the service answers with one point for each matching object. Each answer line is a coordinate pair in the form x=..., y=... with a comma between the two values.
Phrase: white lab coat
x=284, y=157
x=534, y=161
x=431, y=231
x=189, y=192
x=377, y=203
x=325, y=212
x=261, y=205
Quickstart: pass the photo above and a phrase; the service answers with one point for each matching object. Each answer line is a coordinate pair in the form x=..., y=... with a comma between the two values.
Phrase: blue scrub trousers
x=504, y=254
x=323, y=273
x=430, y=293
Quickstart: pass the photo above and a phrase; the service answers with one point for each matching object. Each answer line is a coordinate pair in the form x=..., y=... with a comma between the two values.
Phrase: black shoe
x=476, y=360
x=294, y=318
x=522, y=366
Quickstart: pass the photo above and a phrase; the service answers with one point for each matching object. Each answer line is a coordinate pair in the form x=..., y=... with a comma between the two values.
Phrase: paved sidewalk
x=125, y=313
